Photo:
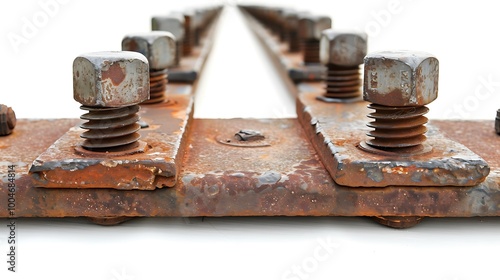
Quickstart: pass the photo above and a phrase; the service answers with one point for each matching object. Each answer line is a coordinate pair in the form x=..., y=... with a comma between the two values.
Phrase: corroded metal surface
x=342, y=53
x=401, y=78
x=343, y=48
x=337, y=129
x=110, y=79
x=157, y=46
x=62, y=165
x=286, y=178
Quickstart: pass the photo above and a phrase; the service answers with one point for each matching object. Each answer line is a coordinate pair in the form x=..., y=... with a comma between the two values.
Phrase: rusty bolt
x=110, y=79
x=189, y=26
x=173, y=23
x=399, y=84
x=310, y=28
x=291, y=21
x=401, y=78
x=342, y=53
x=291, y=18
x=7, y=120
x=157, y=46
x=343, y=48
x=110, y=85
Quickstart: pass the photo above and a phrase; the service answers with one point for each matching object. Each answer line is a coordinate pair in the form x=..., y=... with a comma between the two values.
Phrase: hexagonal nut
x=311, y=26
x=157, y=46
x=401, y=78
x=343, y=48
x=173, y=23
x=110, y=79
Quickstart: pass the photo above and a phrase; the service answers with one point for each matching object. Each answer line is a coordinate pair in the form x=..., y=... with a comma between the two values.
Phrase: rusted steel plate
x=479, y=136
x=190, y=66
x=285, y=178
x=336, y=130
x=290, y=62
x=63, y=166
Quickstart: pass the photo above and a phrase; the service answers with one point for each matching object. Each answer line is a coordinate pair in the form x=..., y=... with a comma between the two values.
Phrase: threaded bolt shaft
x=310, y=48
x=342, y=81
x=397, y=128
x=109, y=128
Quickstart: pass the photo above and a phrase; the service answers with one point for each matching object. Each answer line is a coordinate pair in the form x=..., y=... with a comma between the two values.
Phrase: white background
x=37, y=83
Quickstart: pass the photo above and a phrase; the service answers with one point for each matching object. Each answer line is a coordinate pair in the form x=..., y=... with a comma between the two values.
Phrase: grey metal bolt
x=399, y=84
x=110, y=85
x=342, y=53
x=159, y=48
x=310, y=28
x=7, y=120
x=198, y=25
x=291, y=19
x=173, y=23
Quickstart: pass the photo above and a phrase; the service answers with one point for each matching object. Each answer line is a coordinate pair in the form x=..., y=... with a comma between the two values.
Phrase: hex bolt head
x=343, y=48
x=7, y=120
x=173, y=23
x=110, y=79
x=291, y=19
x=311, y=26
x=157, y=46
x=401, y=78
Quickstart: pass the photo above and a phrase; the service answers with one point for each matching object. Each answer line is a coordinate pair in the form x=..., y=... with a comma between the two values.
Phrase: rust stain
x=448, y=163
x=115, y=73
x=62, y=166
x=131, y=45
x=290, y=181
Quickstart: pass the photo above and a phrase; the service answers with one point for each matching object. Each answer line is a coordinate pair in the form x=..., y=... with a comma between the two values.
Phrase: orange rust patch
x=115, y=73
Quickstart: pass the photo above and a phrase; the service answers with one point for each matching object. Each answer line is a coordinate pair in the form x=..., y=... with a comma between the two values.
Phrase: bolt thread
x=157, y=86
x=397, y=128
x=342, y=81
x=178, y=53
x=110, y=128
x=310, y=49
x=187, y=44
x=293, y=41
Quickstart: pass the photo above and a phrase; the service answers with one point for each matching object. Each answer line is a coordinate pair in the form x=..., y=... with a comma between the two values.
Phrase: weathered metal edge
x=61, y=167
x=463, y=172
x=449, y=164
x=207, y=190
